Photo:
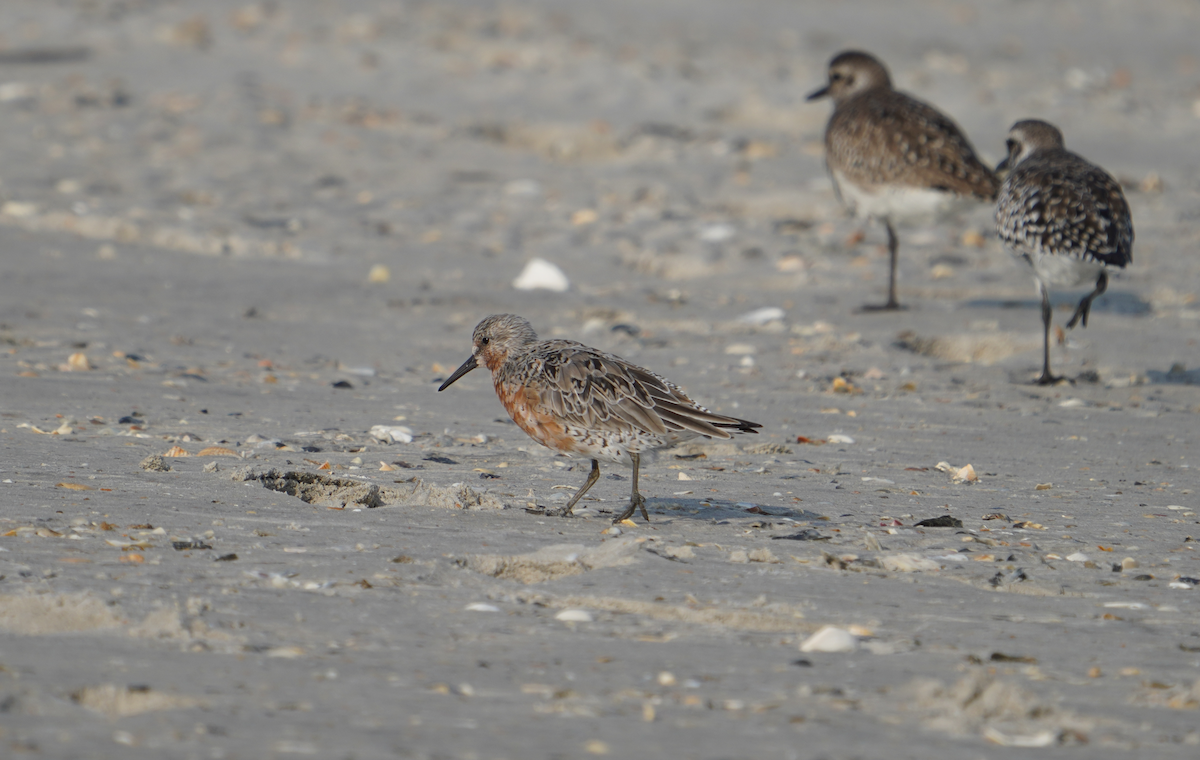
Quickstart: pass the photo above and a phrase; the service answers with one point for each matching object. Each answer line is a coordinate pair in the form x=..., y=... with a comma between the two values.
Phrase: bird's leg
x=636, y=500
x=1046, y=378
x=1085, y=306
x=893, y=248
x=592, y=477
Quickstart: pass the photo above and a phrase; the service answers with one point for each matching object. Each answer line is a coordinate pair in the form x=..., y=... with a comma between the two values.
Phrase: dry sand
x=255, y=232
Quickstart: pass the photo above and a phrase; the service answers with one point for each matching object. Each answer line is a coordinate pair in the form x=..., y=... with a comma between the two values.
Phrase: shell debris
x=540, y=274
x=217, y=451
x=77, y=362
x=379, y=274
x=176, y=451
x=830, y=638
x=574, y=616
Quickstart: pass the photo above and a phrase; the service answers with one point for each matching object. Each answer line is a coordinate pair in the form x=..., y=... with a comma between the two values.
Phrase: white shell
x=574, y=616
x=540, y=274
x=830, y=639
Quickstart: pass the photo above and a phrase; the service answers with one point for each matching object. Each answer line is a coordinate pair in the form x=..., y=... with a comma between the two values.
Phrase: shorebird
x=1065, y=216
x=581, y=401
x=892, y=157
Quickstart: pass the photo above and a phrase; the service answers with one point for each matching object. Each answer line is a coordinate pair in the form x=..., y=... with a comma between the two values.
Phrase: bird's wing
x=893, y=138
x=599, y=391
x=1067, y=206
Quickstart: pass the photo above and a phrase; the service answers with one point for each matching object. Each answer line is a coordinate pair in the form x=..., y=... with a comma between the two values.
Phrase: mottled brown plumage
x=891, y=156
x=578, y=400
x=1065, y=216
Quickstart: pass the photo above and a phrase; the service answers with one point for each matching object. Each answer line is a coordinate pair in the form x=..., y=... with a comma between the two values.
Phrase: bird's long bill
x=1001, y=167
x=818, y=94
x=466, y=367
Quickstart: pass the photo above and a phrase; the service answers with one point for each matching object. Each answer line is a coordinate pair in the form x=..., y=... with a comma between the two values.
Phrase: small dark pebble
x=1001, y=657
x=1185, y=579
x=439, y=460
x=127, y=420
x=803, y=663
x=1143, y=577
x=342, y=384
x=141, y=526
x=1187, y=648
x=403, y=559
x=942, y=521
x=310, y=449
x=488, y=476
x=225, y=558
x=185, y=545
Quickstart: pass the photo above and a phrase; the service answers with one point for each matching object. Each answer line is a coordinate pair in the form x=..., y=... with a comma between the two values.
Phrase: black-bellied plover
x=893, y=157
x=1064, y=215
x=578, y=400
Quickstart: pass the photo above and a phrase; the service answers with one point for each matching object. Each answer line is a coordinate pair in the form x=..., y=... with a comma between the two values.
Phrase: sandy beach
x=241, y=245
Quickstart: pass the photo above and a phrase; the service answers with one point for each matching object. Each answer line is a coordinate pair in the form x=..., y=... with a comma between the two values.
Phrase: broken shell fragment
x=218, y=451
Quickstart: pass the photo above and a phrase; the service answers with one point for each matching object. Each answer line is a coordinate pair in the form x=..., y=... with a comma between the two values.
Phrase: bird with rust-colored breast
x=584, y=402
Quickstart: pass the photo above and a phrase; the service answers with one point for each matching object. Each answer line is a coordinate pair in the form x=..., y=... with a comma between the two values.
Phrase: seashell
x=584, y=216
x=78, y=362
x=762, y=316
x=74, y=486
x=482, y=607
x=176, y=451
x=379, y=274
x=830, y=639
x=218, y=451
x=574, y=616
x=540, y=274
x=391, y=433
x=966, y=474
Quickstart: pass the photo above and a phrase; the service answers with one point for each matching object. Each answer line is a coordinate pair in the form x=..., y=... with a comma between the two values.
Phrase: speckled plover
x=893, y=157
x=1064, y=215
x=581, y=401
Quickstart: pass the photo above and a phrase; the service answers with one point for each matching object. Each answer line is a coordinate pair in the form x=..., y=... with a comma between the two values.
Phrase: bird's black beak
x=1001, y=167
x=466, y=367
x=818, y=94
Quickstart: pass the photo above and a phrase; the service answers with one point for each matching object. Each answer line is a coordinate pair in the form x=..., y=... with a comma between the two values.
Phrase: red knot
x=581, y=401
x=1065, y=216
x=892, y=157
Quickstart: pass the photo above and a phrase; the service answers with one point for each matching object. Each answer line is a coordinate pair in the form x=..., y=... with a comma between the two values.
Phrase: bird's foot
x=634, y=505
x=1080, y=314
x=1048, y=379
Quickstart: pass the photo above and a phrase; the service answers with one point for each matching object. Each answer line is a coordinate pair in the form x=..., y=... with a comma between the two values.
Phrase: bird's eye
x=484, y=340
x=834, y=76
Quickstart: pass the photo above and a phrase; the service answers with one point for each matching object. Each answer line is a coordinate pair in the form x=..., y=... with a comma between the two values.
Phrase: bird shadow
x=670, y=507
x=1112, y=302
x=1176, y=375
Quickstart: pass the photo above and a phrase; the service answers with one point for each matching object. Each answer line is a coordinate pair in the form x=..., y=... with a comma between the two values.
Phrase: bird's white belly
x=896, y=202
x=1064, y=271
